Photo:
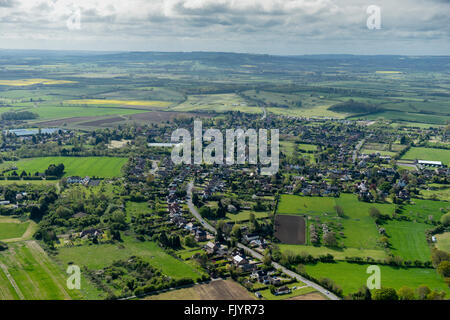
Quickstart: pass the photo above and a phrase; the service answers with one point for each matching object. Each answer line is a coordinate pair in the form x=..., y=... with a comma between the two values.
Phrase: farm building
x=426, y=163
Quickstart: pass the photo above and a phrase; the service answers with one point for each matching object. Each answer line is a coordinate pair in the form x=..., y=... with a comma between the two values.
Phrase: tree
x=362, y=294
x=339, y=211
x=437, y=256
x=405, y=293
x=385, y=294
x=236, y=231
x=330, y=239
x=422, y=292
x=444, y=269
x=374, y=213
x=189, y=241
x=267, y=259
x=219, y=236
x=445, y=219
x=436, y=295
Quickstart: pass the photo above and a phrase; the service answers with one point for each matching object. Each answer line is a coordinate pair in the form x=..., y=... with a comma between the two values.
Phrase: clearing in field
x=26, y=272
x=215, y=290
x=102, y=167
x=443, y=241
x=352, y=276
x=431, y=154
x=290, y=229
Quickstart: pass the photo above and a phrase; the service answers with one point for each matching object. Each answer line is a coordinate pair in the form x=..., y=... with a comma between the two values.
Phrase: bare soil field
x=215, y=290
x=290, y=229
x=99, y=122
x=162, y=116
x=60, y=122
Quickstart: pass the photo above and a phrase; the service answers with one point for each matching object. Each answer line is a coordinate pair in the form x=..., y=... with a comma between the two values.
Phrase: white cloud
x=210, y=24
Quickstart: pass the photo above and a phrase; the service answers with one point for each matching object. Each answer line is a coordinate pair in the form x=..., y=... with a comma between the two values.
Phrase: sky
x=281, y=27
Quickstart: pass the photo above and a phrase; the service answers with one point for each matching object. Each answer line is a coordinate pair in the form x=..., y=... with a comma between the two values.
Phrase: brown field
x=309, y=296
x=290, y=229
x=215, y=290
x=162, y=116
x=60, y=122
x=99, y=122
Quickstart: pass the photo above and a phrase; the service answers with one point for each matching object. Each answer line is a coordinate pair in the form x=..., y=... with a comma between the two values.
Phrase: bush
x=385, y=294
x=445, y=219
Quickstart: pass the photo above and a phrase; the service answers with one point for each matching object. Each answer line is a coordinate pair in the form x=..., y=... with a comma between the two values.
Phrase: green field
x=134, y=208
x=292, y=204
x=441, y=194
x=12, y=230
x=217, y=103
x=408, y=240
x=381, y=152
x=407, y=116
x=443, y=241
x=245, y=215
x=351, y=276
x=102, y=167
x=48, y=112
x=425, y=210
x=100, y=256
x=34, y=275
x=307, y=147
x=337, y=253
x=356, y=212
x=431, y=154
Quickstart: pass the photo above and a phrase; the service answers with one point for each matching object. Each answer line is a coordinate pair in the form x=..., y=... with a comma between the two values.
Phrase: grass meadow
x=103, y=167
x=351, y=276
x=100, y=256
x=408, y=240
x=34, y=275
x=432, y=154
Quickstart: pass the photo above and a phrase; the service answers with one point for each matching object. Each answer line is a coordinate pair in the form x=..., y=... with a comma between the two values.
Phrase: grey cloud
x=8, y=3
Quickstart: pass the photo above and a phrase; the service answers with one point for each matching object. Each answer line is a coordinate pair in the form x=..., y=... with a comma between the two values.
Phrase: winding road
x=252, y=252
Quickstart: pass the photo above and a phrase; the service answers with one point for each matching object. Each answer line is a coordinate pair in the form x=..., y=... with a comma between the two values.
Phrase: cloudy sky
x=284, y=27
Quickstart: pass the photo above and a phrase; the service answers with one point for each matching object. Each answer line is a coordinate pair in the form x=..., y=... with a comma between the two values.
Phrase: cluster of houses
x=215, y=185
x=86, y=181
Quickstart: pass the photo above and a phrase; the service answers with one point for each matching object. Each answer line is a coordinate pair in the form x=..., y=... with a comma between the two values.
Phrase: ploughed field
x=290, y=229
x=215, y=290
